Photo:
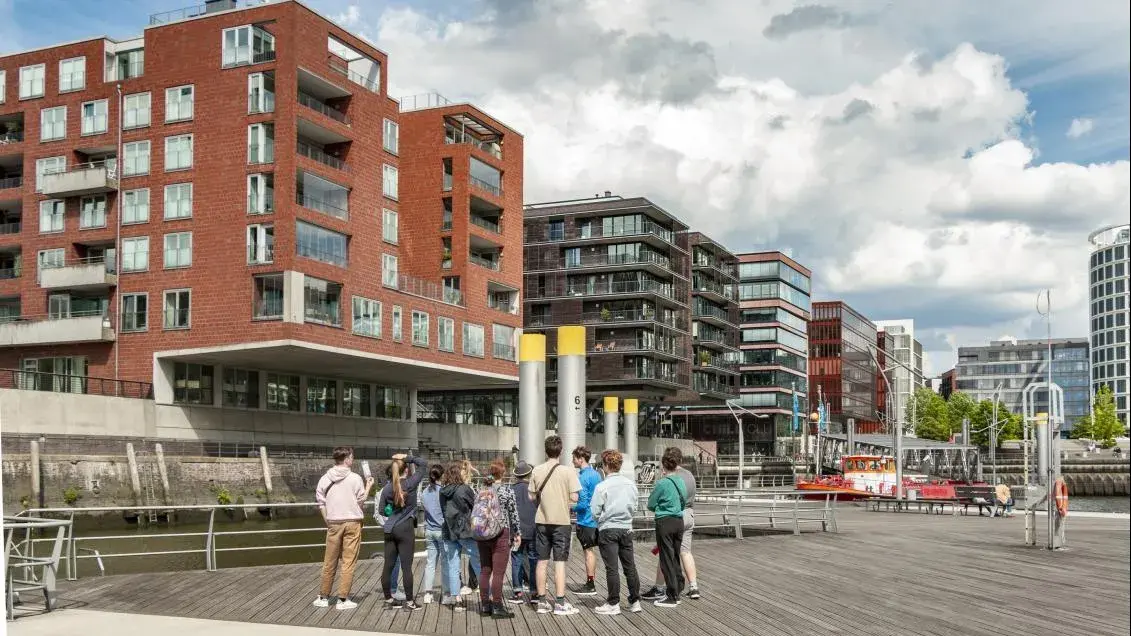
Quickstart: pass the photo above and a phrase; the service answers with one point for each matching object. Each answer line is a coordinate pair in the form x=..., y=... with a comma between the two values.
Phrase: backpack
x=486, y=515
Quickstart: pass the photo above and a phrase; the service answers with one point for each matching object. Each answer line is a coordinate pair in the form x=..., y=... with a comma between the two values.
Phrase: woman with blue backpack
x=397, y=503
x=494, y=523
x=456, y=500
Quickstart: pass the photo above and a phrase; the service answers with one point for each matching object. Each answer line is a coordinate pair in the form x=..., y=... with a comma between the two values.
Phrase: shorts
x=552, y=539
x=688, y=526
x=587, y=537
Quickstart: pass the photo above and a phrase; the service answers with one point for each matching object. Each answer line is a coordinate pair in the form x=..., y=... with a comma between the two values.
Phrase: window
x=502, y=342
x=177, y=308
x=391, y=136
x=46, y=166
x=192, y=383
x=72, y=74
x=51, y=215
x=135, y=254
x=487, y=178
x=178, y=103
x=246, y=45
x=178, y=152
x=321, y=244
x=282, y=392
x=260, y=193
x=51, y=258
x=135, y=206
x=267, y=301
x=136, y=108
x=366, y=317
x=260, y=93
x=94, y=117
x=3, y=85
x=135, y=312
x=420, y=328
x=389, y=182
x=241, y=388
x=389, y=275
x=92, y=212
x=389, y=226
x=321, y=395
x=472, y=340
x=397, y=327
x=356, y=399
x=136, y=158
x=178, y=249
x=260, y=143
x=390, y=402
x=32, y=81
x=53, y=123
x=178, y=201
x=324, y=196
x=446, y=334
x=130, y=64
x=260, y=244
x=322, y=301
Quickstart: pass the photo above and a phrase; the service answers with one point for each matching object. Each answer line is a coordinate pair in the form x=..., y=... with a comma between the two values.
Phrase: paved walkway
x=92, y=623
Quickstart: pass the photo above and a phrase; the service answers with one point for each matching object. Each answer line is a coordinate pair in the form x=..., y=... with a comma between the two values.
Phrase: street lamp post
x=897, y=425
x=734, y=410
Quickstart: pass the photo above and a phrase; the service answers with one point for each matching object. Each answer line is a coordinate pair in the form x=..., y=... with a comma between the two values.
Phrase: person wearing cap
x=525, y=559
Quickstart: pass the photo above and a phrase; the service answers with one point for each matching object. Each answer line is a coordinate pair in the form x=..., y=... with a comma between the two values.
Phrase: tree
x=982, y=419
x=929, y=412
x=959, y=407
x=1102, y=425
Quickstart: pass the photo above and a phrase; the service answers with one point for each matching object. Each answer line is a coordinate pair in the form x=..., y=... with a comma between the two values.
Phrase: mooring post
x=266, y=465
x=135, y=480
x=36, y=481
x=571, y=389
x=531, y=397
x=163, y=473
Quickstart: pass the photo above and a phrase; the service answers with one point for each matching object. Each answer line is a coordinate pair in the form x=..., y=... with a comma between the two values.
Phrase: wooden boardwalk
x=884, y=573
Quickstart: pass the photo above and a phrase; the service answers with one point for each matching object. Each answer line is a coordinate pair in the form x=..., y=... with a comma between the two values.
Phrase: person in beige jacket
x=1004, y=498
x=340, y=495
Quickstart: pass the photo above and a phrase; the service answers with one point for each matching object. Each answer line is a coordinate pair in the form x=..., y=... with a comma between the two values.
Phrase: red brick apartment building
x=232, y=208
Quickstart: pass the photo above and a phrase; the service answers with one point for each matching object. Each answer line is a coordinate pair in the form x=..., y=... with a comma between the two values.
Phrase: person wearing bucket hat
x=525, y=559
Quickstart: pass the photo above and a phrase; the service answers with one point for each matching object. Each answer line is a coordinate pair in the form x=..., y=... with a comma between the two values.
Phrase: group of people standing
x=527, y=523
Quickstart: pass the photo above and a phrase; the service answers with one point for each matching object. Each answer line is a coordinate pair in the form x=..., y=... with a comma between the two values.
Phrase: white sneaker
x=635, y=608
x=607, y=610
x=345, y=604
x=465, y=591
x=427, y=600
x=564, y=609
x=321, y=601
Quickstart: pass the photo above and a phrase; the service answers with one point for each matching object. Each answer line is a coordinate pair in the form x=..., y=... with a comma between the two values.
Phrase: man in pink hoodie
x=340, y=495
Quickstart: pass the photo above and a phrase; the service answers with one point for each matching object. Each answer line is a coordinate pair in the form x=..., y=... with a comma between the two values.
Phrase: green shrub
x=71, y=495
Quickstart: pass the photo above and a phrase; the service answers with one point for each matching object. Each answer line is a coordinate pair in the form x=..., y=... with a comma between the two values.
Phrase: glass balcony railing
x=318, y=204
x=487, y=224
x=496, y=190
x=492, y=264
x=630, y=315
x=319, y=155
x=318, y=105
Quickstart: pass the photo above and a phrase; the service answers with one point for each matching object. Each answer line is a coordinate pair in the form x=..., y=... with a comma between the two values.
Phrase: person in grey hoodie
x=340, y=494
x=613, y=506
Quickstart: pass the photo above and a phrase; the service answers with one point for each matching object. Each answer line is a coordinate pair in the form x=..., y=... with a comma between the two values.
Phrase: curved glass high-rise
x=1109, y=290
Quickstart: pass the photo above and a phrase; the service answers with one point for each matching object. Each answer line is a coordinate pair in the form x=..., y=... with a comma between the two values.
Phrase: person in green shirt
x=667, y=501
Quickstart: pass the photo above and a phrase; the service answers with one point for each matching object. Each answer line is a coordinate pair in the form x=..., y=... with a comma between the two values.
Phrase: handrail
x=321, y=156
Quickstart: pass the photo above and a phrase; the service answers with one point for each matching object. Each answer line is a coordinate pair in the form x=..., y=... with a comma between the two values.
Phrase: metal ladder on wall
x=147, y=474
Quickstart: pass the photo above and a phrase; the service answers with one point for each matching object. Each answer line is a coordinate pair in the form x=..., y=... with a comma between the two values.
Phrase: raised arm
x=413, y=482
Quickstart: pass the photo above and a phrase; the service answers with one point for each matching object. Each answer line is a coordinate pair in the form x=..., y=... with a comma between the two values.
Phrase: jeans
x=616, y=546
x=343, y=540
x=399, y=545
x=493, y=555
x=669, y=536
x=434, y=543
x=452, y=552
x=523, y=564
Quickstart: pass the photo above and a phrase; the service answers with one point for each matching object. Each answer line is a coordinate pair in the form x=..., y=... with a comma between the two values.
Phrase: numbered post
x=571, y=389
x=531, y=397
x=631, y=425
x=612, y=418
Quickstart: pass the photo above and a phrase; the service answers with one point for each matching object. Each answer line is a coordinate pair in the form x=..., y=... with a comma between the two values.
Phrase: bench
x=979, y=496
x=932, y=506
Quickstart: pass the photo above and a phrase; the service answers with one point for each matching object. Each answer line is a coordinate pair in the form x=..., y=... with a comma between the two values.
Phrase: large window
x=472, y=340
x=135, y=312
x=356, y=399
x=192, y=383
x=246, y=45
x=390, y=402
x=178, y=201
x=260, y=93
x=321, y=244
x=130, y=64
x=321, y=395
x=324, y=196
x=53, y=123
x=136, y=109
x=178, y=249
x=136, y=158
x=46, y=166
x=420, y=328
x=398, y=327
x=94, y=117
x=32, y=81
x=72, y=74
x=135, y=254
x=51, y=216
x=3, y=85
x=389, y=181
x=267, y=301
x=260, y=143
x=92, y=212
x=260, y=244
x=366, y=317
x=486, y=177
x=389, y=226
x=260, y=193
x=135, y=206
x=282, y=392
x=389, y=272
x=241, y=388
x=178, y=103
x=178, y=308
x=391, y=137
x=178, y=152
x=322, y=301
x=502, y=342
x=446, y=334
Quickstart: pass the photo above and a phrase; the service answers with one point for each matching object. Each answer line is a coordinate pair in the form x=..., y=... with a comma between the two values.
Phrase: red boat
x=864, y=476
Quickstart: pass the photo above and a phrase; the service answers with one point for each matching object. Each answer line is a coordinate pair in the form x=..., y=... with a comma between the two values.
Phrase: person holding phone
x=398, y=504
x=340, y=494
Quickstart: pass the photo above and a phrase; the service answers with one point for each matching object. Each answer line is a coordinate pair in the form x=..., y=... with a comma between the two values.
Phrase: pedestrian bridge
x=925, y=456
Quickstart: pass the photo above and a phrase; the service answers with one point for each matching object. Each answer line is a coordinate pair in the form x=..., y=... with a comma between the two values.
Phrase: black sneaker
x=532, y=598
x=589, y=589
x=517, y=598
x=653, y=594
x=500, y=610
x=411, y=606
x=485, y=608
x=666, y=602
x=693, y=592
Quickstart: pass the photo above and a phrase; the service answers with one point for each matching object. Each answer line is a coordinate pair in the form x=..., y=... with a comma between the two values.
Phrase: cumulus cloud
x=1079, y=127
x=900, y=175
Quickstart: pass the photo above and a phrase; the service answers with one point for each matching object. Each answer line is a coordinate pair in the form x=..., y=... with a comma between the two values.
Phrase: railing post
x=796, y=525
x=210, y=544
x=72, y=557
x=738, y=518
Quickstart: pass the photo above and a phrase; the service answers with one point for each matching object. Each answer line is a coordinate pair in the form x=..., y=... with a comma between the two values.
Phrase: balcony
x=712, y=315
x=44, y=330
x=487, y=224
x=322, y=205
x=485, y=186
x=341, y=66
x=634, y=345
x=260, y=101
x=630, y=316
x=429, y=290
x=87, y=178
x=729, y=270
x=715, y=340
x=312, y=152
x=490, y=261
x=707, y=361
x=710, y=386
x=9, y=272
x=11, y=182
x=611, y=288
x=80, y=274
x=647, y=260
x=10, y=227
x=712, y=290
x=647, y=230
x=317, y=105
x=11, y=137
x=464, y=130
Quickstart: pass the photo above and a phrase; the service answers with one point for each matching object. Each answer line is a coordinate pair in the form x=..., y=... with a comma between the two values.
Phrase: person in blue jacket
x=586, y=524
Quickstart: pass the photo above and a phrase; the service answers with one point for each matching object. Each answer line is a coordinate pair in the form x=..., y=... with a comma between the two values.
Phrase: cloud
x=899, y=169
x=1079, y=127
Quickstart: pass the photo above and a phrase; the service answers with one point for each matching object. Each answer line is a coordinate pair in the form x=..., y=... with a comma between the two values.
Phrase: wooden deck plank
x=885, y=573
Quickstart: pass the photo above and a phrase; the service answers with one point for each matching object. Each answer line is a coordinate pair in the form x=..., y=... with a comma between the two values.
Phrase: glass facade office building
x=1109, y=286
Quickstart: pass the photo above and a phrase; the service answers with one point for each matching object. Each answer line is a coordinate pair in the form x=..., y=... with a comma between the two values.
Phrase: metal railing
x=643, y=228
x=11, y=227
x=8, y=273
x=492, y=264
x=423, y=101
x=630, y=315
x=630, y=345
x=318, y=105
x=702, y=310
x=116, y=446
x=260, y=102
x=110, y=264
x=321, y=205
x=428, y=290
x=319, y=155
x=11, y=137
x=61, y=383
x=486, y=224
x=502, y=351
x=496, y=190
x=453, y=135
x=710, y=287
x=609, y=287
x=728, y=270
x=341, y=66
x=11, y=182
x=263, y=56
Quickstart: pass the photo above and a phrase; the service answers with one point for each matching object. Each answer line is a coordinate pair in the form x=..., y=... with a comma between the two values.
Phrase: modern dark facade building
x=714, y=320
x=948, y=382
x=1004, y=368
x=1109, y=276
x=841, y=366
